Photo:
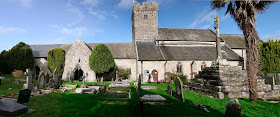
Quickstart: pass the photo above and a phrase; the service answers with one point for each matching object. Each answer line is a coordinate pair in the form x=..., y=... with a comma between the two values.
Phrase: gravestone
x=29, y=80
x=169, y=89
x=55, y=76
x=47, y=78
x=233, y=108
x=23, y=96
x=84, y=82
x=41, y=80
x=179, y=89
x=1, y=79
x=10, y=108
x=140, y=105
x=104, y=90
x=51, y=82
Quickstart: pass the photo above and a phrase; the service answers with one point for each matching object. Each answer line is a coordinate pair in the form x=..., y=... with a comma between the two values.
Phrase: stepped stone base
x=228, y=82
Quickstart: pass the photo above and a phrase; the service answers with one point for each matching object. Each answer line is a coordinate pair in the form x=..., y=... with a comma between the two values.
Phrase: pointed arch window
x=179, y=67
x=203, y=65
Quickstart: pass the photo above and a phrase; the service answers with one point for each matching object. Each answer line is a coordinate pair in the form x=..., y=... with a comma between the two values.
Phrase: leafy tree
x=244, y=13
x=20, y=57
x=56, y=60
x=269, y=57
x=3, y=63
x=101, y=60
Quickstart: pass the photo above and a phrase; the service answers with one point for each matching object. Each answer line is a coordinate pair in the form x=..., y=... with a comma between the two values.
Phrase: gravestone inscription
x=24, y=95
x=179, y=89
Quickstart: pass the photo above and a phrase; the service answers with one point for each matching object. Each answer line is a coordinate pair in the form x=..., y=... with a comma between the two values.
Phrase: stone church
x=153, y=50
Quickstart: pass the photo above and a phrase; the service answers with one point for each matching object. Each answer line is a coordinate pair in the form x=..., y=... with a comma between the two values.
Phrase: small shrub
x=18, y=74
x=123, y=73
x=181, y=76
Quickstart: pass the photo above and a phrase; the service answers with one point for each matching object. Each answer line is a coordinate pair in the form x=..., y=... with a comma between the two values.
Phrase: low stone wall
x=228, y=82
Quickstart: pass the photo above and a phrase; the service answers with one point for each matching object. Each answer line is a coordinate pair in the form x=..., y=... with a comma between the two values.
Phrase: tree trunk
x=251, y=37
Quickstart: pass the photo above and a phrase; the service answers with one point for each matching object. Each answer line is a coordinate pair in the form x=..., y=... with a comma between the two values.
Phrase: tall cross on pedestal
x=218, y=45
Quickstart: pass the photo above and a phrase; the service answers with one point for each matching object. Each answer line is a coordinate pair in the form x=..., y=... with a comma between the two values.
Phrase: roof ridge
x=184, y=28
x=233, y=34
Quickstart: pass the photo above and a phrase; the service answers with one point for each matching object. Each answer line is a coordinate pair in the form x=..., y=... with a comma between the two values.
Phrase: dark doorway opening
x=37, y=72
x=78, y=75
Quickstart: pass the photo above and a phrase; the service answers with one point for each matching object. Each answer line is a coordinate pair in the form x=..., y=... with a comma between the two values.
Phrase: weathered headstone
x=23, y=96
x=51, y=82
x=10, y=108
x=233, y=108
x=47, y=78
x=84, y=82
x=140, y=107
x=104, y=90
x=179, y=89
x=29, y=80
x=41, y=80
x=169, y=89
x=55, y=76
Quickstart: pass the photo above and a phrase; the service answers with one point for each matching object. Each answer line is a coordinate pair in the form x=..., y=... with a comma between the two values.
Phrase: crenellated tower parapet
x=144, y=21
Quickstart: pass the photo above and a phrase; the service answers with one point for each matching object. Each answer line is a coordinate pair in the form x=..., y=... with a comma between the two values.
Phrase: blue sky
x=95, y=21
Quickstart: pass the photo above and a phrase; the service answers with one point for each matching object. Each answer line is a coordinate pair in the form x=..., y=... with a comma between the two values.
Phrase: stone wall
x=78, y=55
x=43, y=65
x=241, y=53
x=127, y=64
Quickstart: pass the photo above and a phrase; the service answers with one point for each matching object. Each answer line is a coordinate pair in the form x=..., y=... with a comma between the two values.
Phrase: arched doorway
x=155, y=75
x=37, y=71
x=78, y=75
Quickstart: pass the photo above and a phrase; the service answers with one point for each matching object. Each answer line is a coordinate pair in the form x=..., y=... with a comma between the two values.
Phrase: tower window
x=145, y=17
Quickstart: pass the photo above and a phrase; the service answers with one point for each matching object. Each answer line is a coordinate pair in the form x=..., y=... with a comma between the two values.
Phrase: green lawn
x=70, y=104
x=9, y=86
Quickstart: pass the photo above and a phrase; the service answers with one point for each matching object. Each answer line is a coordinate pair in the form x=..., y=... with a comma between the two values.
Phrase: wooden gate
x=155, y=75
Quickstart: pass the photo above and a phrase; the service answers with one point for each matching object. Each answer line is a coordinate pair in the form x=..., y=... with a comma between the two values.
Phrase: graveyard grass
x=71, y=104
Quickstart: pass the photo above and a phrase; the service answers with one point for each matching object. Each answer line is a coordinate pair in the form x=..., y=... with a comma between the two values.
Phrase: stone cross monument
x=219, y=60
x=29, y=80
x=218, y=44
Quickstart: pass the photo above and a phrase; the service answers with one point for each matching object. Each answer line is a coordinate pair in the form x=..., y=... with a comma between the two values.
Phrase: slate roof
x=149, y=51
x=234, y=41
x=41, y=51
x=118, y=50
x=123, y=50
x=177, y=34
x=203, y=53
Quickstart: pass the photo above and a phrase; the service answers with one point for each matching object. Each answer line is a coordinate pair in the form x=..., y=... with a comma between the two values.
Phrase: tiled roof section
x=234, y=41
x=123, y=50
x=203, y=53
x=147, y=50
x=41, y=51
x=118, y=50
x=175, y=34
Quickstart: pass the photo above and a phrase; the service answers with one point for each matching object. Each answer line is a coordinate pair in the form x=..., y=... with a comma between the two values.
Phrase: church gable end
x=77, y=58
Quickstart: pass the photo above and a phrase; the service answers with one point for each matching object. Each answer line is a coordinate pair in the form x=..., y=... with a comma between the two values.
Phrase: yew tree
x=101, y=60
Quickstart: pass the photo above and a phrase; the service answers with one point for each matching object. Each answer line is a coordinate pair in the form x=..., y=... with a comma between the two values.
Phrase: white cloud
x=205, y=19
x=125, y=4
x=274, y=36
x=101, y=14
x=11, y=29
x=26, y=3
x=92, y=3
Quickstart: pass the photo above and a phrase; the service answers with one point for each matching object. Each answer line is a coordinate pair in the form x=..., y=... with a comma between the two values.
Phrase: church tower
x=144, y=21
